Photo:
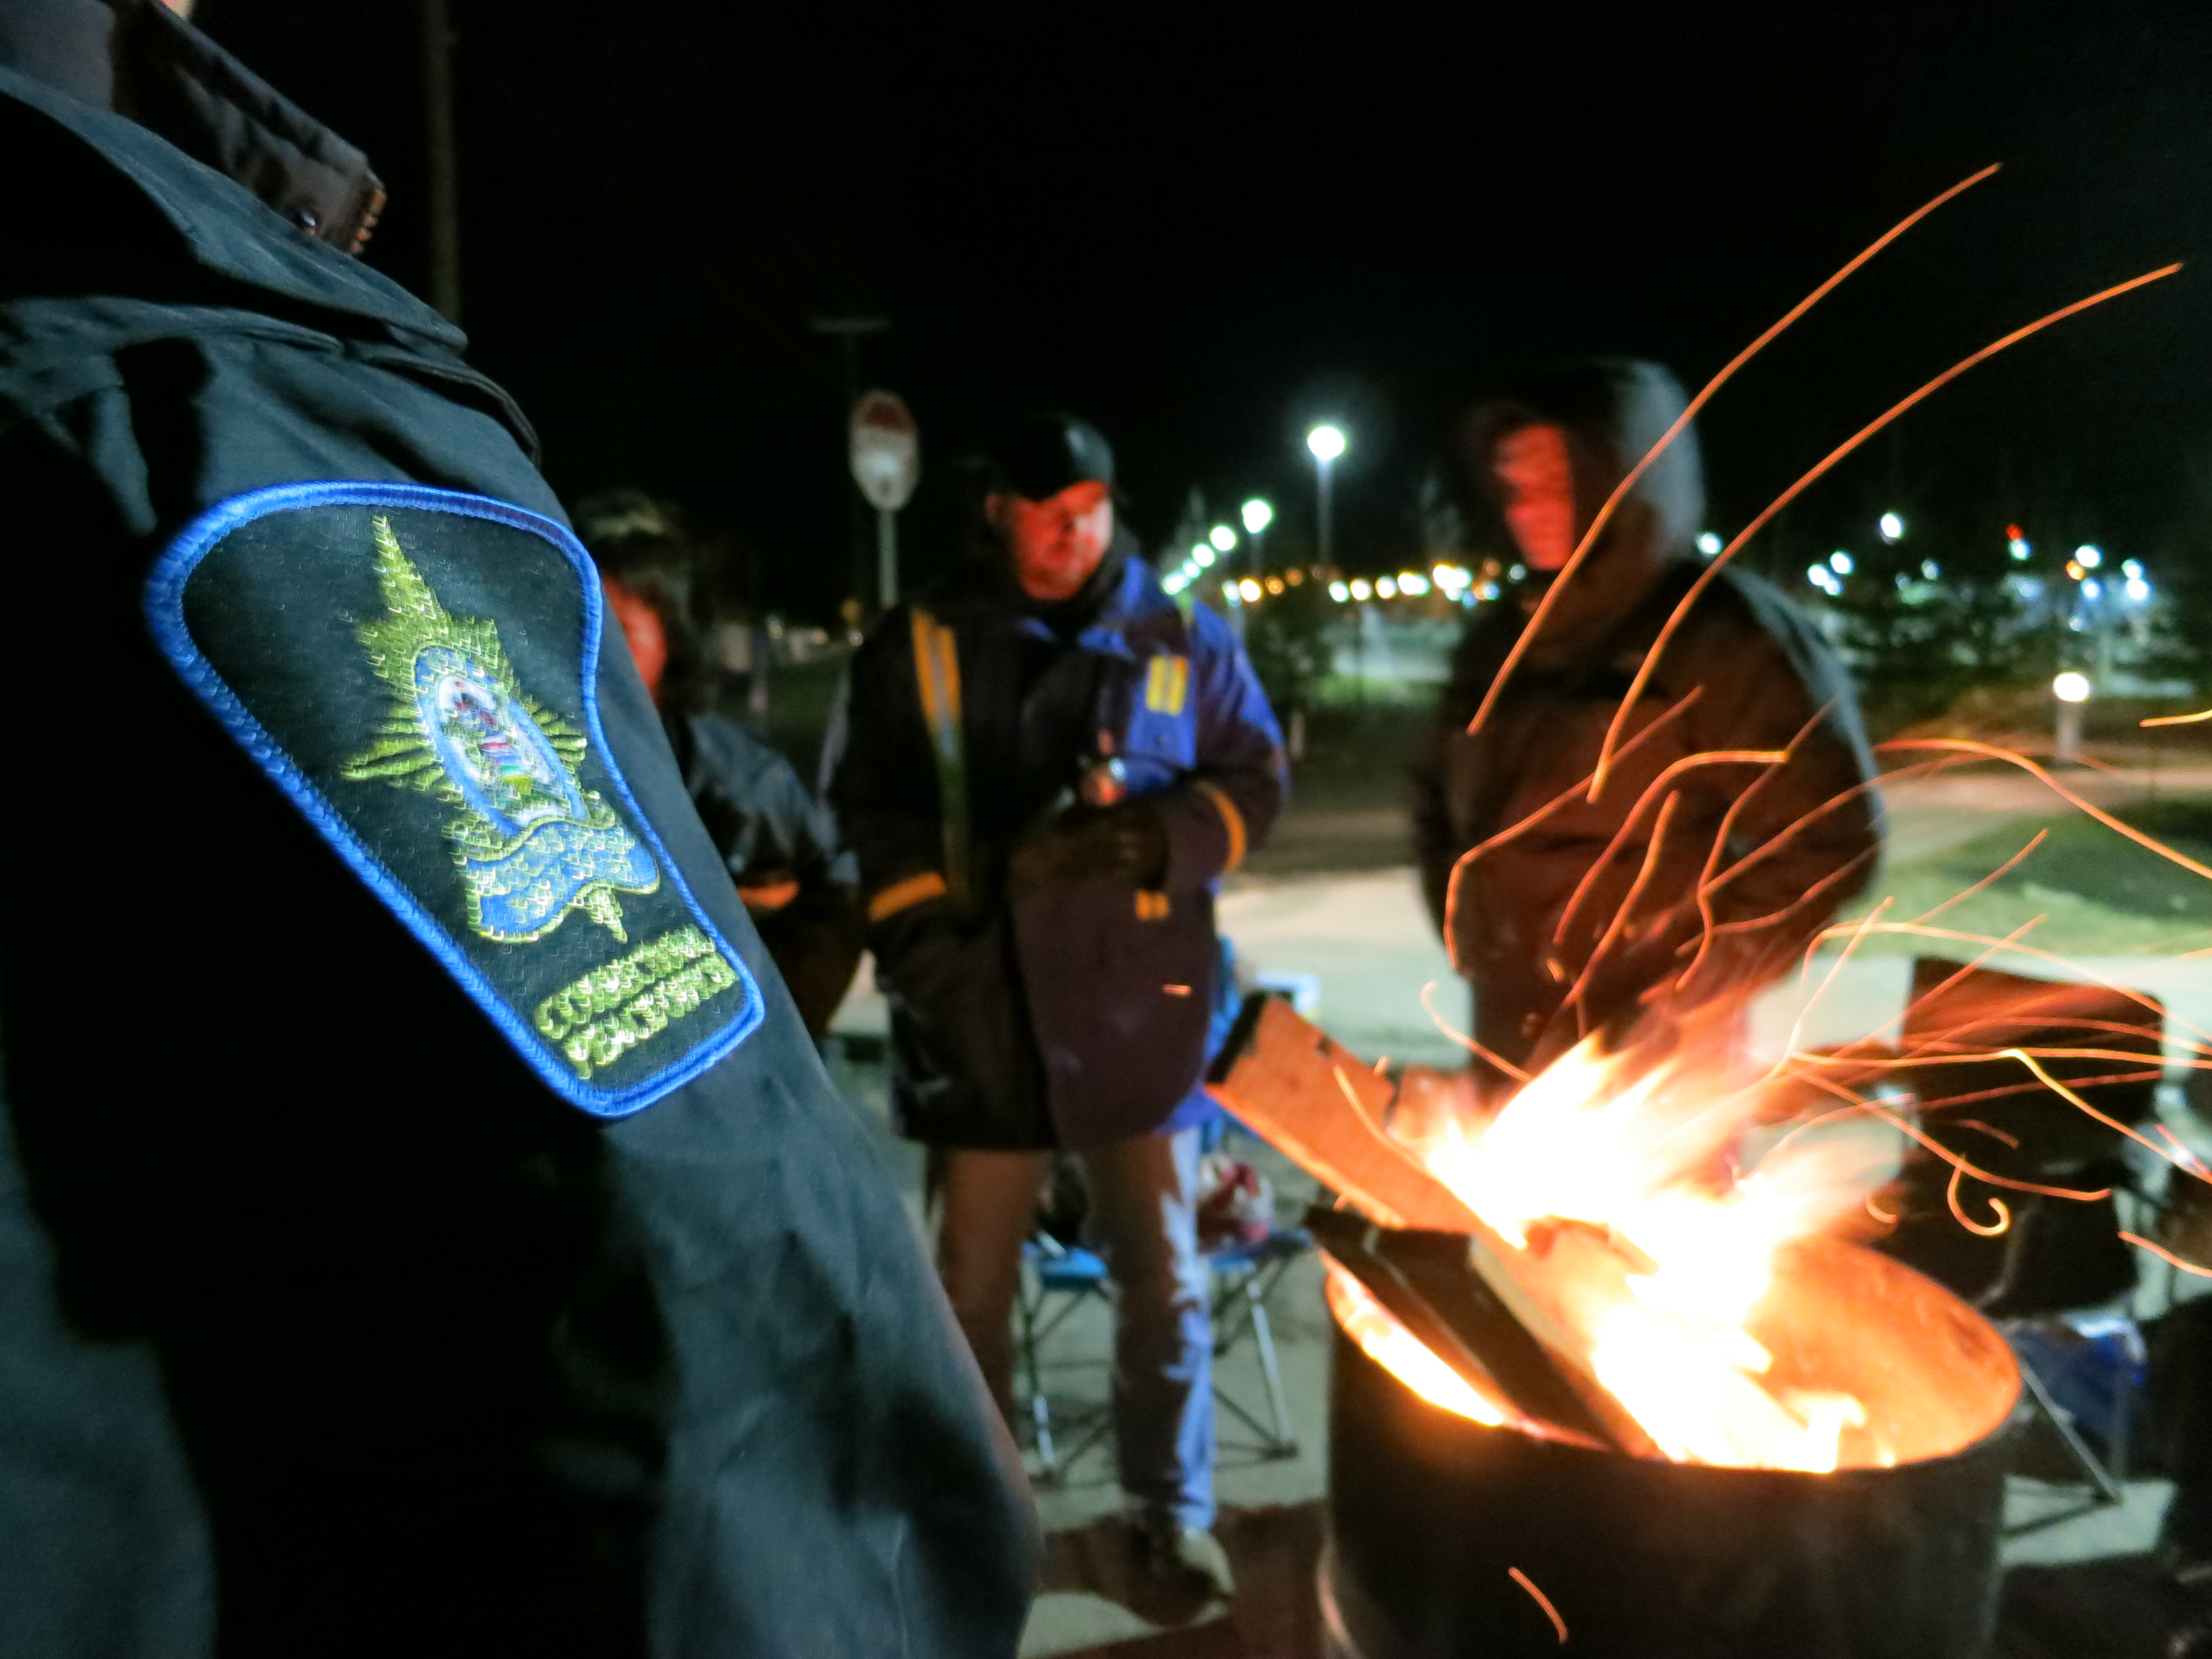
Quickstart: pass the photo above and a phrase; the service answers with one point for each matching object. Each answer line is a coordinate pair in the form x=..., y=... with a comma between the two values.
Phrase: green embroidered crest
x=530, y=842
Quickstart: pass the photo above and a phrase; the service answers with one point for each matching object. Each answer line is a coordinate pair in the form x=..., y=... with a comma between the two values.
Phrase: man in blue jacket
x=1045, y=767
x=425, y=1226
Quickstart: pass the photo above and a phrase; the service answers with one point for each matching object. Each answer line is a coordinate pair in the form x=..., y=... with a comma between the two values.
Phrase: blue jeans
x=1144, y=1221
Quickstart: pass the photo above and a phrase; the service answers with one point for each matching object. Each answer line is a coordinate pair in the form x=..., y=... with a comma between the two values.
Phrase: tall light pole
x=1327, y=443
x=445, y=203
x=1258, y=513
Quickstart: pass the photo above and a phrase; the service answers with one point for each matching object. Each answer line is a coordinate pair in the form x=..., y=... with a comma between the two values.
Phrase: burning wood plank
x=1494, y=1310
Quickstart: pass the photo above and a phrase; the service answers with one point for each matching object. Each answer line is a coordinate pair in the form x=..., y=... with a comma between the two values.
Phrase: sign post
x=886, y=456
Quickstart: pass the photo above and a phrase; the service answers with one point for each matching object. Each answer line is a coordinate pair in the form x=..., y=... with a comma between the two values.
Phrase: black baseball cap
x=1037, y=455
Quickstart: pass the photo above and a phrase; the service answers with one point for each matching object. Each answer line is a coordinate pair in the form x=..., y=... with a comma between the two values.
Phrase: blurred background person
x=1754, y=860
x=779, y=841
x=1044, y=767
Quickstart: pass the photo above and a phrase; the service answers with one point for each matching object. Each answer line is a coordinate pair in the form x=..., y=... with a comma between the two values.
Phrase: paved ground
x=1363, y=934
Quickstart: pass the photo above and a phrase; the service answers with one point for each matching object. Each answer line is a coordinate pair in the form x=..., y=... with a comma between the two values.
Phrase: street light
x=1892, y=526
x=1222, y=537
x=1327, y=442
x=2072, y=690
x=1258, y=515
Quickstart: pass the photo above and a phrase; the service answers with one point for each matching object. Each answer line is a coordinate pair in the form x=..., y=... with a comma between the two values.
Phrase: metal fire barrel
x=1429, y=1515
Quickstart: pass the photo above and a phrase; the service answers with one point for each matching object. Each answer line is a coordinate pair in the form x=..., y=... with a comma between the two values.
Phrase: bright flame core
x=1673, y=1250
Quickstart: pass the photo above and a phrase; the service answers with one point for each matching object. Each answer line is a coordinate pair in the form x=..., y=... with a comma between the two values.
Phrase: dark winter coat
x=1077, y=1013
x=336, y=1315
x=1784, y=844
x=780, y=845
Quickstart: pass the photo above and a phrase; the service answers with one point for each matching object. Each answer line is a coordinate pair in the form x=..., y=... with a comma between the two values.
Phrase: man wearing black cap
x=1045, y=767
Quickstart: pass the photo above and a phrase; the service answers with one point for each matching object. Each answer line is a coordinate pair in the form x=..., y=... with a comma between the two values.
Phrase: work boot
x=1191, y=1555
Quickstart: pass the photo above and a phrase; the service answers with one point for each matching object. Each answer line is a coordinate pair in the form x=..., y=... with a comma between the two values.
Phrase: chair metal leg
x=1285, y=1444
x=2109, y=1490
x=1040, y=1408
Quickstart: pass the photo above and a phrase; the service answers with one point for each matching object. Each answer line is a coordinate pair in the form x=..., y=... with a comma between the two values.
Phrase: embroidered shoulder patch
x=418, y=670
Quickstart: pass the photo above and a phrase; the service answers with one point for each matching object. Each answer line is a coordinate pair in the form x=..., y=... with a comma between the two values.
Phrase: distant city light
x=2071, y=687
x=1824, y=579
x=1708, y=543
x=2018, y=548
x=1840, y=563
x=1487, y=591
x=2088, y=557
x=1222, y=537
x=1413, y=582
x=1339, y=591
x=1892, y=526
x=1450, y=578
x=1516, y=573
x=1326, y=442
x=2131, y=567
x=1229, y=593
x=1275, y=584
x=1257, y=515
x=1385, y=589
x=1250, y=590
x=1174, y=583
x=2138, y=589
x=2093, y=589
x=1929, y=569
x=2074, y=570
x=1361, y=591
x=1202, y=554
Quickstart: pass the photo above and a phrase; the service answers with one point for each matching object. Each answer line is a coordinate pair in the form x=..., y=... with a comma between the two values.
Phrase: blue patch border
x=165, y=615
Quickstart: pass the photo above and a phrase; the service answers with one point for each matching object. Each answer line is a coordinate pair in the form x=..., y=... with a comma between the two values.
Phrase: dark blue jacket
x=1076, y=1014
x=327, y=1323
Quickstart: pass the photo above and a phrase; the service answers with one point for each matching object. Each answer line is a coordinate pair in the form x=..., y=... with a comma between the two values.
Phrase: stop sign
x=886, y=450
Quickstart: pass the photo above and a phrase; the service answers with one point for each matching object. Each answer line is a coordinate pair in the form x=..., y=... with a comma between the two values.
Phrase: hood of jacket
x=1612, y=410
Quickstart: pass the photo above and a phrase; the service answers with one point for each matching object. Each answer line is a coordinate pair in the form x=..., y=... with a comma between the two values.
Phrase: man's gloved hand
x=1126, y=840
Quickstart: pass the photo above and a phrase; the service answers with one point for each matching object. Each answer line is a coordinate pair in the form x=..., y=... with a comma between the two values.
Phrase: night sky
x=1203, y=230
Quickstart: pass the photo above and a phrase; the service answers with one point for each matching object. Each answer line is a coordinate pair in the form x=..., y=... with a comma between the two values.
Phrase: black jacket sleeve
x=882, y=780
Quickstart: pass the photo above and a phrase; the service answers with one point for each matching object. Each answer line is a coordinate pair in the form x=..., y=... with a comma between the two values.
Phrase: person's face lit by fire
x=1536, y=481
x=1057, y=543
x=642, y=626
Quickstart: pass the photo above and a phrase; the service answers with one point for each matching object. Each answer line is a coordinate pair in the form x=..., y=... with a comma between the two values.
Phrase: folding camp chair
x=1058, y=1279
x=2057, y=1255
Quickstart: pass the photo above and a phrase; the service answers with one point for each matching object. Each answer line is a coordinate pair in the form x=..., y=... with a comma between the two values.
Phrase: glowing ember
x=1657, y=1255
x=1399, y=1351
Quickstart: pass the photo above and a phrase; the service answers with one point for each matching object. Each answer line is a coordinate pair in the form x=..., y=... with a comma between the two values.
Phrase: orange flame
x=1401, y=1353
x=1635, y=1159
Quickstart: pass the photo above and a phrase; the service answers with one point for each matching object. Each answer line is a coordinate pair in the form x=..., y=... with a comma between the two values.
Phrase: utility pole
x=445, y=177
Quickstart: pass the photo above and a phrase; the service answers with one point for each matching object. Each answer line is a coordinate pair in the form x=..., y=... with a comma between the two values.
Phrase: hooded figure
x=1692, y=879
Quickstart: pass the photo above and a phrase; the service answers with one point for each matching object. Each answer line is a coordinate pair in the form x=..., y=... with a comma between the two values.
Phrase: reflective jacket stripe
x=905, y=894
x=1231, y=820
x=937, y=674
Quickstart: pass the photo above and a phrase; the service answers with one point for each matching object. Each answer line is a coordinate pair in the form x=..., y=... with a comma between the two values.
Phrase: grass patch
x=2099, y=894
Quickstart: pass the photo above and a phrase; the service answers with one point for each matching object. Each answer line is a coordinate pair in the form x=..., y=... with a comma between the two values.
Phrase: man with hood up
x=425, y=1226
x=1671, y=903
